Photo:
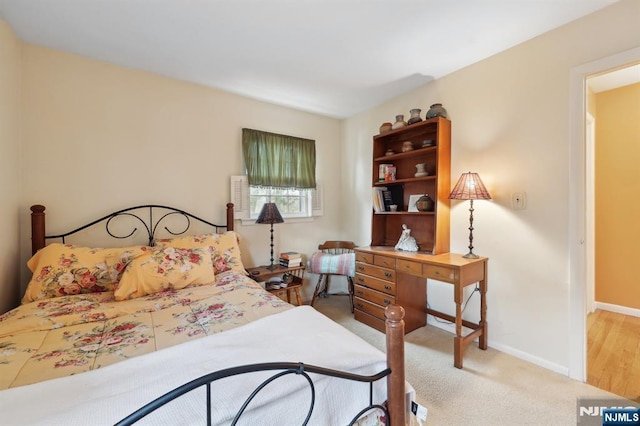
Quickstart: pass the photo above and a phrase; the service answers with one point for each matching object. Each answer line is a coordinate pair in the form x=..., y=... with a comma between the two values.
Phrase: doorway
x=613, y=320
x=581, y=245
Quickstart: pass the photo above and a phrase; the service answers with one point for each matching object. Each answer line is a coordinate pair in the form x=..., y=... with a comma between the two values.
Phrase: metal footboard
x=284, y=368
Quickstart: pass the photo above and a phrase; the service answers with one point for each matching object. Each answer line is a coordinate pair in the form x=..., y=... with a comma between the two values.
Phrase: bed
x=102, y=332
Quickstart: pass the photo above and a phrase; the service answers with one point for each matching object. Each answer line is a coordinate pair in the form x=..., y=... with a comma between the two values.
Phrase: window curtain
x=279, y=161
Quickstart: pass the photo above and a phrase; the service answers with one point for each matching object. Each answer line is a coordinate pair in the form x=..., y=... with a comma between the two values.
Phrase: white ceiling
x=332, y=57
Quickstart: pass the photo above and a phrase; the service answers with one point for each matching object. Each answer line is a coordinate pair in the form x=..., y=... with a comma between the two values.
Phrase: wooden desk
x=263, y=273
x=384, y=275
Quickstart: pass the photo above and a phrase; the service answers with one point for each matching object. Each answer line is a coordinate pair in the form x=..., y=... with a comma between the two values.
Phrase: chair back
x=337, y=247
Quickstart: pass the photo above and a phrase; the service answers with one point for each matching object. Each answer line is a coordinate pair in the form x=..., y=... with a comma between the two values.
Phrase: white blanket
x=107, y=395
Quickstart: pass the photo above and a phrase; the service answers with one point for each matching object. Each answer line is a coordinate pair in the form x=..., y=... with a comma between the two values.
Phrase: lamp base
x=272, y=267
x=471, y=255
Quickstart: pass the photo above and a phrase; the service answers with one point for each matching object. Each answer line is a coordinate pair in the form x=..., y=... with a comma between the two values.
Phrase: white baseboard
x=617, y=309
x=451, y=328
x=556, y=368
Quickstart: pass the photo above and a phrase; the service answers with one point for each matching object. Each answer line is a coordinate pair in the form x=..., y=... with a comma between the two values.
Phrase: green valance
x=279, y=161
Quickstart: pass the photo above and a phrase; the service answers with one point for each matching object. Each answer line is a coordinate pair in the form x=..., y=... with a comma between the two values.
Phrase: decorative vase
x=420, y=171
x=415, y=116
x=400, y=123
x=425, y=203
x=437, y=110
x=385, y=127
x=407, y=146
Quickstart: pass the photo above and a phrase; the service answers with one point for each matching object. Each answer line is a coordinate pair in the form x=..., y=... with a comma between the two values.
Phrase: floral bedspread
x=68, y=335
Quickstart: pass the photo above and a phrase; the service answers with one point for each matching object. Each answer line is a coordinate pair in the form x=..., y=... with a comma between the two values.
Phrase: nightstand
x=263, y=273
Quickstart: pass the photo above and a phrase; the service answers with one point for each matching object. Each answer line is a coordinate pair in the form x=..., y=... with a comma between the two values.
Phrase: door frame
x=590, y=211
x=577, y=204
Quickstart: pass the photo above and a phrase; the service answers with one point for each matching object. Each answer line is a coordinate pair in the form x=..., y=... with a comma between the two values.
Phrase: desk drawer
x=364, y=257
x=376, y=271
x=381, y=299
x=413, y=268
x=384, y=261
x=440, y=273
x=369, y=308
x=370, y=320
x=376, y=284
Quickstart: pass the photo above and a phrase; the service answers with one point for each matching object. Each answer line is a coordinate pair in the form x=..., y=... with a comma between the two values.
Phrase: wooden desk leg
x=288, y=295
x=482, y=343
x=297, y=289
x=458, y=343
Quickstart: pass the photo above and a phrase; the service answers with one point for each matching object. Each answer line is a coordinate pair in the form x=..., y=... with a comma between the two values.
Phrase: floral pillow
x=225, y=251
x=62, y=269
x=165, y=268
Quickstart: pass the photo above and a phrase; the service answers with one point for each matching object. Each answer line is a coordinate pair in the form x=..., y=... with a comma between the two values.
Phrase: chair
x=333, y=258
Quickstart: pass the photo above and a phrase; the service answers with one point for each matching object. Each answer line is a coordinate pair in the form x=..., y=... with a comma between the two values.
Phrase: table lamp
x=270, y=214
x=470, y=187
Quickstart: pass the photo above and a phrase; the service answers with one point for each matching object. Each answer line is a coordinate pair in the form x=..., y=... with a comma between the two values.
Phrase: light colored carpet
x=493, y=388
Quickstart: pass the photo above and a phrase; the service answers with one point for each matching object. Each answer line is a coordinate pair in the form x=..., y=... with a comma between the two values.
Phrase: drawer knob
x=359, y=305
x=387, y=274
x=387, y=287
x=360, y=279
x=360, y=268
x=359, y=292
x=387, y=302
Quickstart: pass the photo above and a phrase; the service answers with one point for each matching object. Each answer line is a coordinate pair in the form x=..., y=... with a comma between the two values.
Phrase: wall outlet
x=420, y=412
x=518, y=200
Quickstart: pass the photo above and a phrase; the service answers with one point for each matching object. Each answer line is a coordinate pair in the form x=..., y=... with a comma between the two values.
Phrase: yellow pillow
x=61, y=269
x=165, y=268
x=225, y=251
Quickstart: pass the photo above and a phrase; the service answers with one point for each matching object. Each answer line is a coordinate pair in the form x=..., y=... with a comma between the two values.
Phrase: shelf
x=408, y=154
x=418, y=127
x=430, y=229
x=406, y=213
x=400, y=181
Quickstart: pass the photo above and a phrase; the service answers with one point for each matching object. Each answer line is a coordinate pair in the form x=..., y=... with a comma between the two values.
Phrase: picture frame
x=411, y=206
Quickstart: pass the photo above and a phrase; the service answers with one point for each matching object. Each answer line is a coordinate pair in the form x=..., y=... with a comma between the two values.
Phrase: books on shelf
x=386, y=172
x=290, y=263
x=382, y=199
x=290, y=255
x=387, y=199
x=378, y=201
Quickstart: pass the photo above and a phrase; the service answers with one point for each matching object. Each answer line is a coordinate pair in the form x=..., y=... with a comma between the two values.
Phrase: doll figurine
x=406, y=241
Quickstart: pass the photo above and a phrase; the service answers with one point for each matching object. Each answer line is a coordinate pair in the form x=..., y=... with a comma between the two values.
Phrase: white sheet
x=107, y=395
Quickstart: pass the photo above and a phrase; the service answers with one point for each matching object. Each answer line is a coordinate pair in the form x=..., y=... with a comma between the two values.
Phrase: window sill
x=250, y=222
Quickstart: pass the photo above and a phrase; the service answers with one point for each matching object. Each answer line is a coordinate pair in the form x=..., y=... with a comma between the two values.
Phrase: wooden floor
x=613, y=353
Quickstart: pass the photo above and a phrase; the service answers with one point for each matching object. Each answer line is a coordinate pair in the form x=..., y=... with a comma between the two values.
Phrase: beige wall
x=617, y=186
x=510, y=123
x=9, y=166
x=98, y=137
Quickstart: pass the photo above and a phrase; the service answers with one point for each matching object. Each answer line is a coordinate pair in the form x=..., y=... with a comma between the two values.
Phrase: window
x=280, y=169
x=248, y=201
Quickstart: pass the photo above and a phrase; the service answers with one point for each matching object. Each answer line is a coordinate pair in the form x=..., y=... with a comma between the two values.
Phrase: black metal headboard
x=154, y=215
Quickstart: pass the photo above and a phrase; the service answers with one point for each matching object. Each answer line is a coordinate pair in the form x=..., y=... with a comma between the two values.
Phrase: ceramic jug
x=400, y=123
x=425, y=203
x=437, y=110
